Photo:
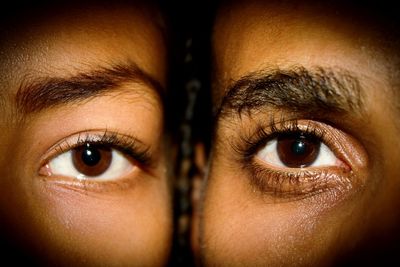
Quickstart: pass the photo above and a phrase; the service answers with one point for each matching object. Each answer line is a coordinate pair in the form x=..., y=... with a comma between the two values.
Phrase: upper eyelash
x=125, y=144
x=250, y=144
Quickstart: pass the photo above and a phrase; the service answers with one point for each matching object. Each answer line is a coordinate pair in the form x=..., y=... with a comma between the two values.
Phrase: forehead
x=254, y=35
x=64, y=39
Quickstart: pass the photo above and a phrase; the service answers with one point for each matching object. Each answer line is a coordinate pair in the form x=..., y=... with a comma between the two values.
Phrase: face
x=84, y=176
x=304, y=163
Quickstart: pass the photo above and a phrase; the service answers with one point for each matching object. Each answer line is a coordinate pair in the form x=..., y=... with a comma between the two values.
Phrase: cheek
x=129, y=226
x=81, y=228
x=240, y=226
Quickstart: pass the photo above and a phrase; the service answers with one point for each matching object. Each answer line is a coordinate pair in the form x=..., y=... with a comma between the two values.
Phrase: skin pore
x=310, y=79
x=84, y=80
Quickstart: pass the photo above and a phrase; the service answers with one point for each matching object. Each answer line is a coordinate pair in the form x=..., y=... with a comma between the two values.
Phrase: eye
x=299, y=159
x=97, y=155
x=297, y=150
x=91, y=161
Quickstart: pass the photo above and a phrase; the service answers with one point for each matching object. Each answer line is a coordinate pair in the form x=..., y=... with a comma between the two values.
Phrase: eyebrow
x=44, y=93
x=296, y=89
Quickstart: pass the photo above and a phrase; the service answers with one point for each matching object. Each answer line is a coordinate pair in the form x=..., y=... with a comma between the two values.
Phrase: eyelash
x=289, y=184
x=128, y=145
x=250, y=144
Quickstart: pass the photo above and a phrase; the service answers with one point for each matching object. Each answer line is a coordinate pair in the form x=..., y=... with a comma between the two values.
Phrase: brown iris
x=91, y=159
x=297, y=150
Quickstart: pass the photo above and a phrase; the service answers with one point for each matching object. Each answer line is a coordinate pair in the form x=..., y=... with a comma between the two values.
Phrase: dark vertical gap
x=188, y=107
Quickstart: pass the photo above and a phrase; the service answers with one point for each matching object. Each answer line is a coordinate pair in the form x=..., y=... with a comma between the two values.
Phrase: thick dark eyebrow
x=44, y=93
x=296, y=89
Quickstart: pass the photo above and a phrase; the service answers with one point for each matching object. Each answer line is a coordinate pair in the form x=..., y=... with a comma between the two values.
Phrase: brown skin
x=242, y=225
x=126, y=221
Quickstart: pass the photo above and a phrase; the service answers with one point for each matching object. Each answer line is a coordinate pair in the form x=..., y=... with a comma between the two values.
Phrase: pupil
x=297, y=150
x=91, y=159
x=91, y=156
x=299, y=147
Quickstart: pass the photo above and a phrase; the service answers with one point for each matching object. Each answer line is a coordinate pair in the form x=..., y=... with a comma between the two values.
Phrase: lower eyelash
x=294, y=185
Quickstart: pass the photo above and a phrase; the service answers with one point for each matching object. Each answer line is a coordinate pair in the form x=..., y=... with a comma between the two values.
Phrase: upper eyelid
x=65, y=144
x=283, y=125
x=249, y=144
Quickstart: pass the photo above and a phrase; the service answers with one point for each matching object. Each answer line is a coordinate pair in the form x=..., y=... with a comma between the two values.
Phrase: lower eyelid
x=301, y=184
x=86, y=186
